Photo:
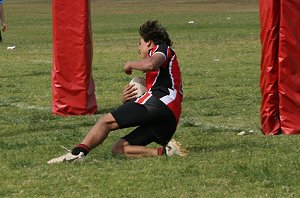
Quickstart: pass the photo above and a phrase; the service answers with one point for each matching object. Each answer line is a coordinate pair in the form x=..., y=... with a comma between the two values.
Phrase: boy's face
x=144, y=48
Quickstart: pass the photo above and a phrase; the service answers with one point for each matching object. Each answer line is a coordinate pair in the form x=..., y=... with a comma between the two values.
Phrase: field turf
x=219, y=56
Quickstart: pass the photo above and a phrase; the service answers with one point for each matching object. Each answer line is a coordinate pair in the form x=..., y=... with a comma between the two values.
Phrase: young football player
x=155, y=114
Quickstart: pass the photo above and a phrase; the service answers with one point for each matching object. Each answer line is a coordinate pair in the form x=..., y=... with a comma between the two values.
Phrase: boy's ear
x=149, y=43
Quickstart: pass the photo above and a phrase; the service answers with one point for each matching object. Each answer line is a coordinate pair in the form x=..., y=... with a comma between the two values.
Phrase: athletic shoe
x=69, y=157
x=174, y=148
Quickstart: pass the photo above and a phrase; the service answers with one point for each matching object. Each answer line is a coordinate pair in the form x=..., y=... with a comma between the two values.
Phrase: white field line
x=42, y=61
x=26, y=106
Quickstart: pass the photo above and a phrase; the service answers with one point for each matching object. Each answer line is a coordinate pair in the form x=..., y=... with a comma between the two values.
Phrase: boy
x=2, y=18
x=156, y=113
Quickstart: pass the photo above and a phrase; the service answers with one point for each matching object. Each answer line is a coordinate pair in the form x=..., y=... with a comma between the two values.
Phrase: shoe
x=174, y=148
x=69, y=157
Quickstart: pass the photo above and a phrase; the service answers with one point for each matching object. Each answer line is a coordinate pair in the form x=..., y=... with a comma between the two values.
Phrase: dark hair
x=153, y=30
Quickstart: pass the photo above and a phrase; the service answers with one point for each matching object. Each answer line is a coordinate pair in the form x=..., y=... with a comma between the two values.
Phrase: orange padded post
x=280, y=66
x=72, y=82
x=269, y=34
x=289, y=66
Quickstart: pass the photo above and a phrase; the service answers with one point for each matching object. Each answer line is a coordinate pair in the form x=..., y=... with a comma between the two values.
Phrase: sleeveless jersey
x=165, y=82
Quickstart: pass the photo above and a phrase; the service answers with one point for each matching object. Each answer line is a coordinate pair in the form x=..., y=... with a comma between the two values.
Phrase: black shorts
x=155, y=121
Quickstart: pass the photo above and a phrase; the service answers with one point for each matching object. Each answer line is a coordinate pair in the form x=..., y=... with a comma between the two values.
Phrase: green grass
x=220, y=59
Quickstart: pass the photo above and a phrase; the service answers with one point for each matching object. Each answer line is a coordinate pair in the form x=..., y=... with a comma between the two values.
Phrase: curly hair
x=153, y=30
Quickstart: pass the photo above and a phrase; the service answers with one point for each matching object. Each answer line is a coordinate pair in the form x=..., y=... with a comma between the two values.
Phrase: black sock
x=78, y=149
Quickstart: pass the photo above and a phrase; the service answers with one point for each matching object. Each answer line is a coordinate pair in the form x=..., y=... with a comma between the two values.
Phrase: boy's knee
x=109, y=122
x=119, y=147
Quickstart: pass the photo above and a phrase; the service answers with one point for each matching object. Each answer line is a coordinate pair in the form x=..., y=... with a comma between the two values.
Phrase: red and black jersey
x=165, y=82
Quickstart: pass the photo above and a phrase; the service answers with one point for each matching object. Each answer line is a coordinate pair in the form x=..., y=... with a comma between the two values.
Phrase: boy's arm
x=147, y=64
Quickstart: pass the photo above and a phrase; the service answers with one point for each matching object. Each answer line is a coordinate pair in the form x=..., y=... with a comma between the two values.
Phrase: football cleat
x=174, y=148
x=69, y=157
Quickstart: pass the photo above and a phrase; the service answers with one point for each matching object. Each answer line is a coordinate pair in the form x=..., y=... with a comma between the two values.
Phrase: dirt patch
x=173, y=6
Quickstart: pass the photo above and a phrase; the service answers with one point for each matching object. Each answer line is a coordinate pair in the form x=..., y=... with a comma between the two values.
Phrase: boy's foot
x=174, y=148
x=69, y=157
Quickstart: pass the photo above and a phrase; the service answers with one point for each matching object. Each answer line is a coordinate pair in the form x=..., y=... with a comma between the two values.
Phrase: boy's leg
x=134, y=144
x=93, y=138
x=122, y=147
x=98, y=133
x=156, y=124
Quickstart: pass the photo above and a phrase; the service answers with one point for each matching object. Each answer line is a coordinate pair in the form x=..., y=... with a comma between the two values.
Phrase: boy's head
x=152, y=30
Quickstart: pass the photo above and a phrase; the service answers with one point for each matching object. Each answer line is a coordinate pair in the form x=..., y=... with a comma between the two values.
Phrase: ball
x=140, y=84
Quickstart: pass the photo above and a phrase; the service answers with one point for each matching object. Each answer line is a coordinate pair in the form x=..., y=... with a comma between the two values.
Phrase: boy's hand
x=127, y=68
x=4, y=27
x=129, y=93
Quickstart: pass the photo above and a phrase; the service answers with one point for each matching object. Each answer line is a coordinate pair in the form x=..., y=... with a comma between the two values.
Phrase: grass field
x=220, y=59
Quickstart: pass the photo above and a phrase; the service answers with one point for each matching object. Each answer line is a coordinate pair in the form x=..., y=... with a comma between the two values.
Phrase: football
x=140, y=84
